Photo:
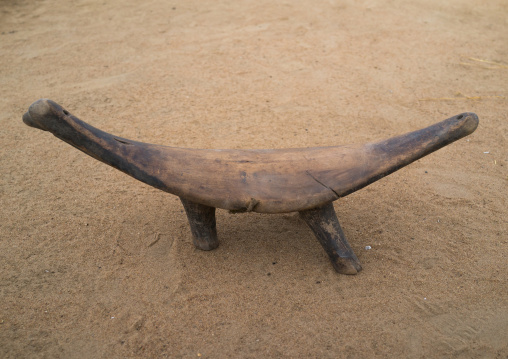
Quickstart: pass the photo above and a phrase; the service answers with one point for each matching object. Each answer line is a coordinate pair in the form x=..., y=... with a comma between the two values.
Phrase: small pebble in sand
x=367, y=248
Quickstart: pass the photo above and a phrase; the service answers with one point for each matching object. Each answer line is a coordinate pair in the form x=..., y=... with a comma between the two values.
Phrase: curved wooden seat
x=265, y=181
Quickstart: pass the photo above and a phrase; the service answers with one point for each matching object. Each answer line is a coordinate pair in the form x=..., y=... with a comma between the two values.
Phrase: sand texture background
x=95, y=264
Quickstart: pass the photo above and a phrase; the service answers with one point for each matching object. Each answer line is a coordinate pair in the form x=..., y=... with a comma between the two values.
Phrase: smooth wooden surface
x=324, y=224
x=266, y=181
x=203, y=225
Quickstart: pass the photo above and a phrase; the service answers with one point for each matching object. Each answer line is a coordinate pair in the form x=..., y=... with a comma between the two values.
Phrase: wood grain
x=265, y=181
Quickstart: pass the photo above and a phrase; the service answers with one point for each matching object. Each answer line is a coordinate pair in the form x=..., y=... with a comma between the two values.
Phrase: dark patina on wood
x=306, y=180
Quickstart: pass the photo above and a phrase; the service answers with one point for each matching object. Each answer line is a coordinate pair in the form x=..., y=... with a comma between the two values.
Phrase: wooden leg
x=202, y=223
x=325, y=225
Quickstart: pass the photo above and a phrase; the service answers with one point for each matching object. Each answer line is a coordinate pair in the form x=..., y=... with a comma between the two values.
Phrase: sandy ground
x=82, y=275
